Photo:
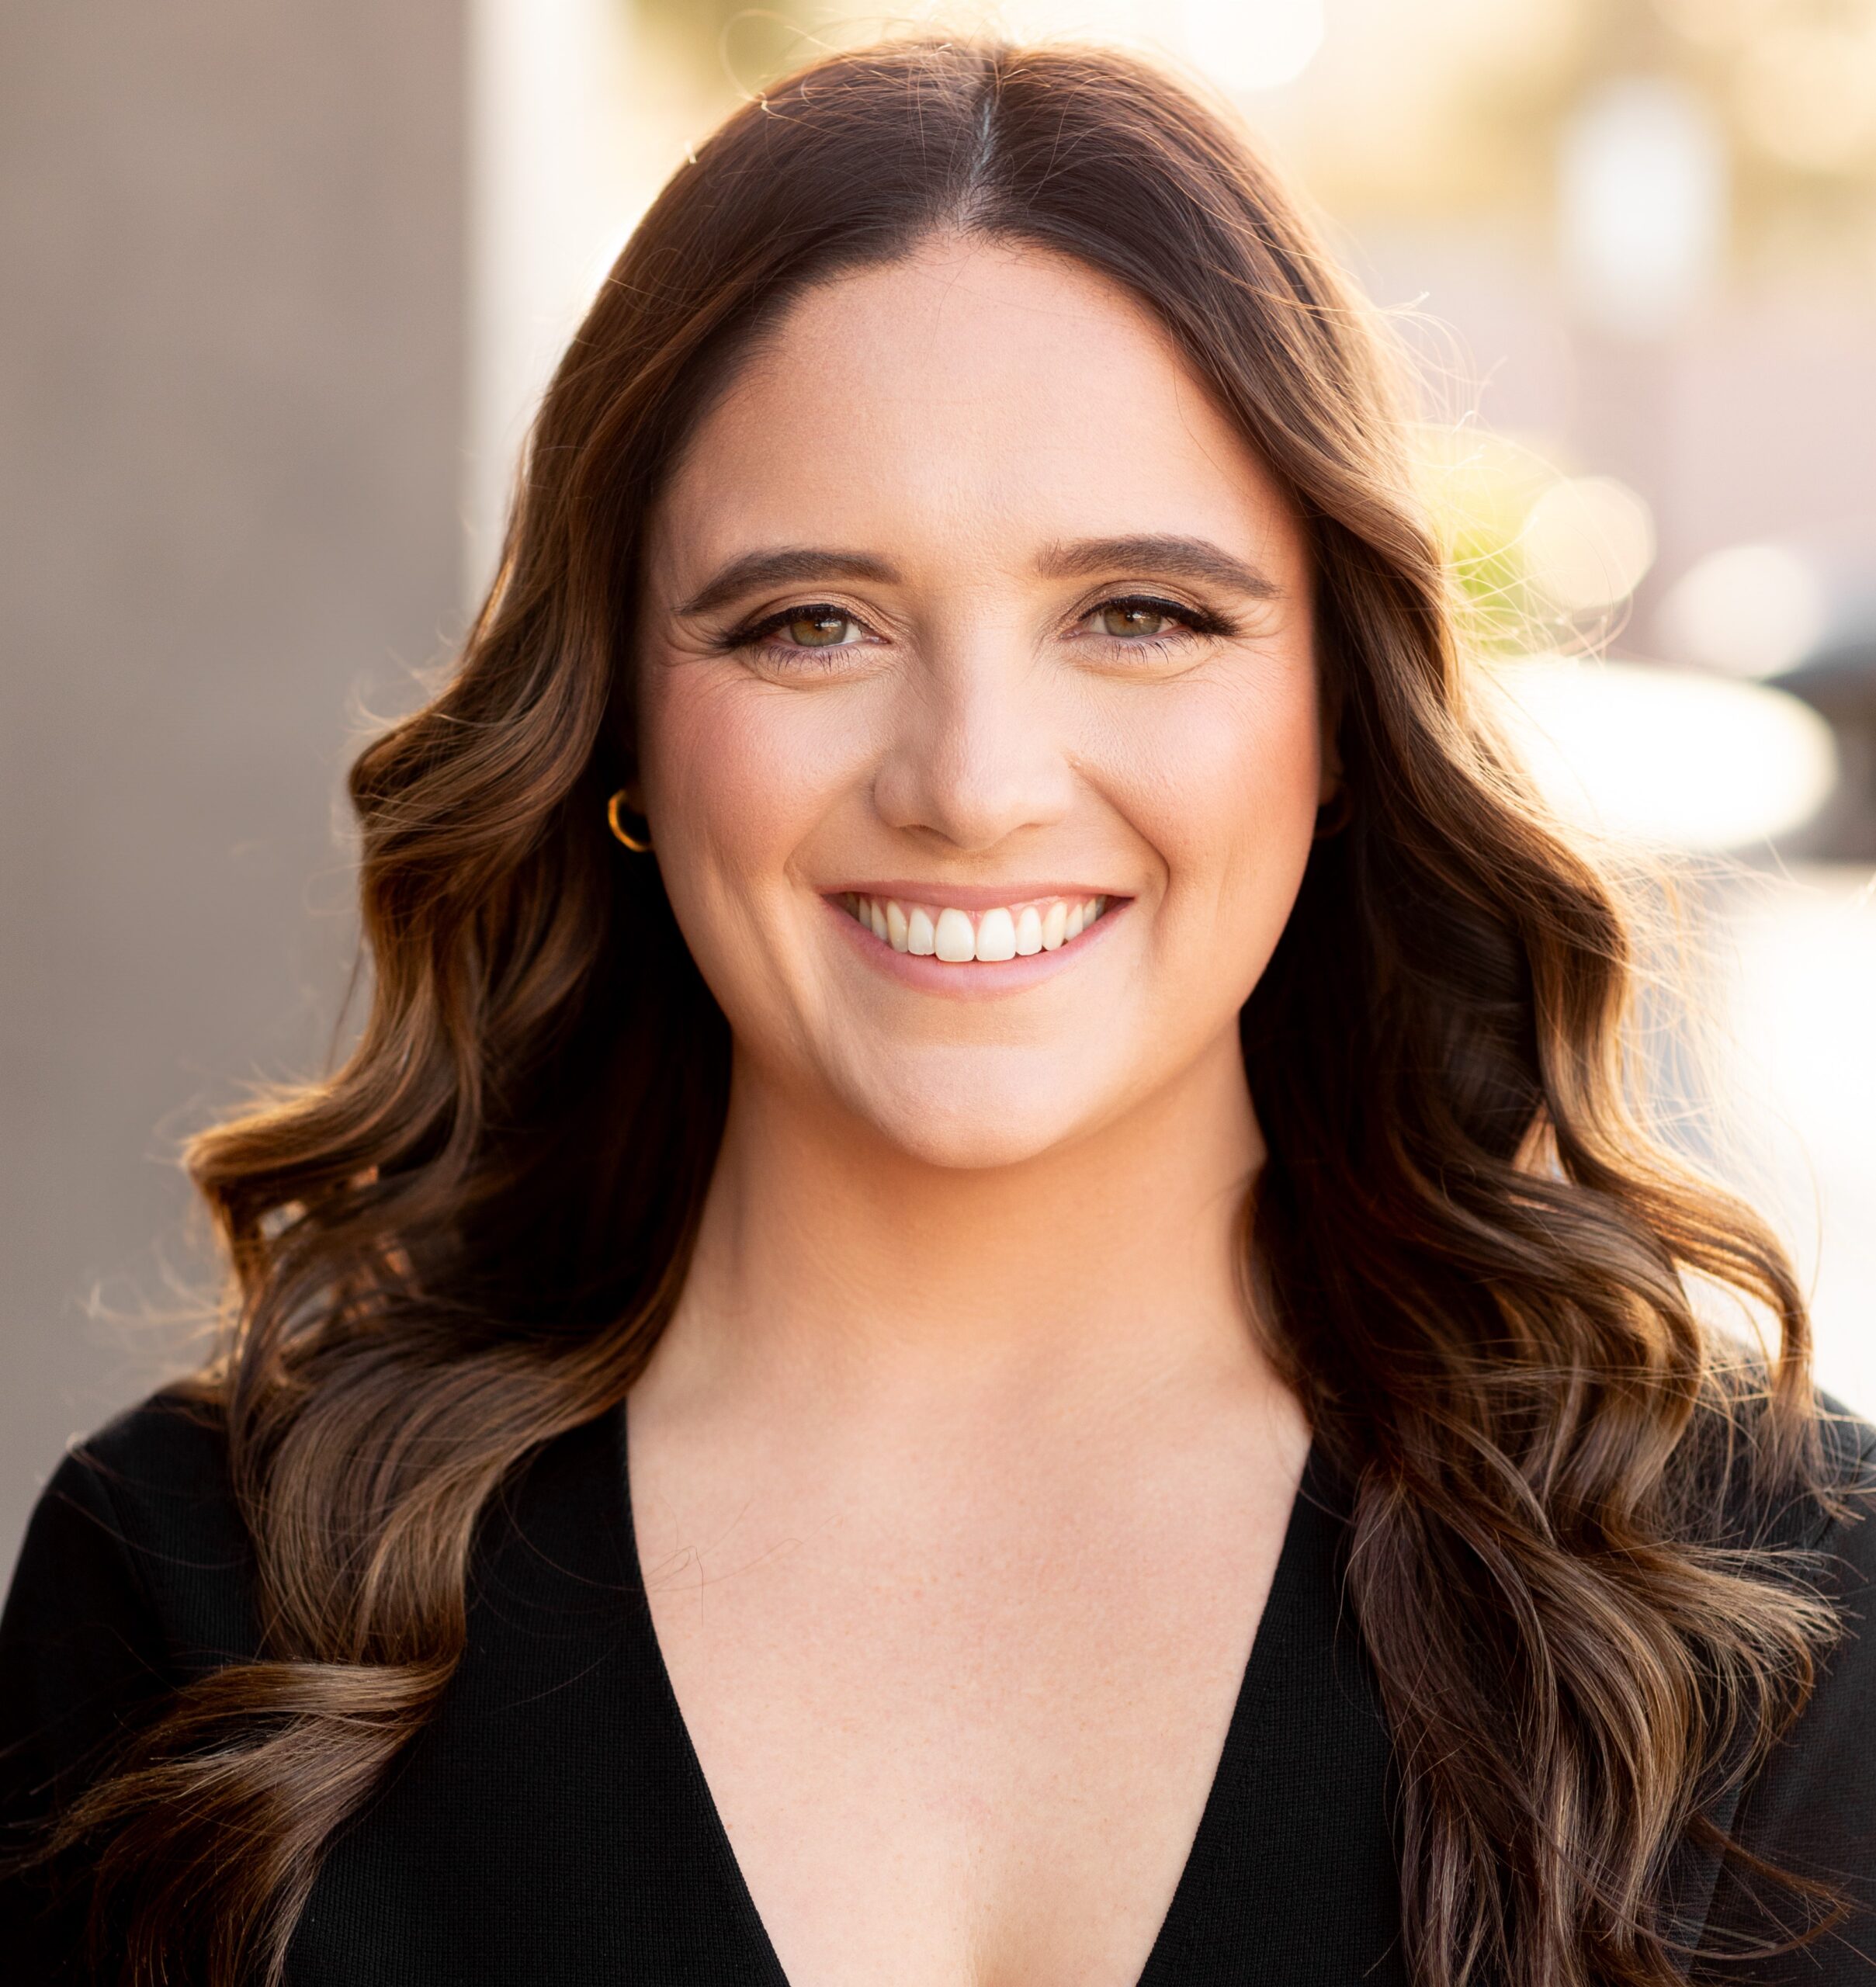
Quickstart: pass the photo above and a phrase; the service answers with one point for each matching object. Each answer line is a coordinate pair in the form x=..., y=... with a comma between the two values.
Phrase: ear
x=1330, y=784
x=1328, y=734
x=621, y=770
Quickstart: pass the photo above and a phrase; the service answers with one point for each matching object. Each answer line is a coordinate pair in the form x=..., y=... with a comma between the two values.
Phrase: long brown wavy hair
x=1472, y=1259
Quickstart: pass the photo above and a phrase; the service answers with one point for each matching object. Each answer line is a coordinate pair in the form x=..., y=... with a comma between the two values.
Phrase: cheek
x=1224, y=784
x=737, y=775
x=711, y=786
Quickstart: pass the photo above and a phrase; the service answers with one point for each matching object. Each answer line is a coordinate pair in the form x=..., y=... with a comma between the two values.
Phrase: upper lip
x=970, y=896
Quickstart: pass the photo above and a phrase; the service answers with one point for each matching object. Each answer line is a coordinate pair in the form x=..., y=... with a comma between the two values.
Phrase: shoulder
x=139, y=1519
x=1811, y=1810
x=162, y=1464
x=1821, y=1534
x=1828, y=1524
x=1849, y=1452
x=1837, y=1542
x=173, y=1445
x=1741, y=1485
x=132, y=1579
x=1837, y=1533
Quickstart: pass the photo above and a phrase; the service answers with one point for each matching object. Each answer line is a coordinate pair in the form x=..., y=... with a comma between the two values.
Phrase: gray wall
x=230, y=388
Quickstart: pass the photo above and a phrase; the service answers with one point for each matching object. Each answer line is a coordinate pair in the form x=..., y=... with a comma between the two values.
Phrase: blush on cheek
x=1223, y=782
x=712, y=770
x=739, y=776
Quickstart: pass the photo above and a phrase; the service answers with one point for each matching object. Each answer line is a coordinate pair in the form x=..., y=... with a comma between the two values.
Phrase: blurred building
x=232, y=367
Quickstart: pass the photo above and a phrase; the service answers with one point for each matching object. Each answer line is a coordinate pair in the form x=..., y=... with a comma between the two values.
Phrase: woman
x=981, y=1307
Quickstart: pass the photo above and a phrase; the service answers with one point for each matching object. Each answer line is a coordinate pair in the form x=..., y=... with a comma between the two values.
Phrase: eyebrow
x=1180, y=558
x=782, y=568
x=1167, y=553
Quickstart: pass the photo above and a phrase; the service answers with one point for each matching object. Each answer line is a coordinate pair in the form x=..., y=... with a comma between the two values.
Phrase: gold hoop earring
x=612, y=821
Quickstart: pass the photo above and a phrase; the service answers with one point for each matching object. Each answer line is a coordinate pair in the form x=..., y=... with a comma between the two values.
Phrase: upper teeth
x=1007, y=931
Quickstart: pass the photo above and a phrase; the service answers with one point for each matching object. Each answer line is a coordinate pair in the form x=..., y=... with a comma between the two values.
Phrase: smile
x=958, y=937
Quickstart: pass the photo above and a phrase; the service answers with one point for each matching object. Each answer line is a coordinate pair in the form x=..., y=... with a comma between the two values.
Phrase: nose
x=976, y=756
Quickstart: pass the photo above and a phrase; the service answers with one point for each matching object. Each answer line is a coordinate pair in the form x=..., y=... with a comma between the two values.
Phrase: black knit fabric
x=552, y=1824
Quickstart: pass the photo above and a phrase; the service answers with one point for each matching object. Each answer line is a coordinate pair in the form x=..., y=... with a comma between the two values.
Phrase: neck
x=833, y=1266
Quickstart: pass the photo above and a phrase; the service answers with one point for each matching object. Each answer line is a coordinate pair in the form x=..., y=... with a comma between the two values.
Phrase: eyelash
x=751, y=636
x=1192, y=620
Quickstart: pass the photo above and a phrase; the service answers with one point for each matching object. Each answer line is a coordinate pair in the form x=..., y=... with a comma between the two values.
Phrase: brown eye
x=1122, y=618
x=818, y=627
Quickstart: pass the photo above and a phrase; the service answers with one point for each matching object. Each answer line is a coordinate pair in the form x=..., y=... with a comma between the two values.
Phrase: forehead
x=976, y=399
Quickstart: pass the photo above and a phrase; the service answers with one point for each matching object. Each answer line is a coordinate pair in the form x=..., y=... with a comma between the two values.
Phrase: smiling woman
x=958, y=958
x=1017, y=685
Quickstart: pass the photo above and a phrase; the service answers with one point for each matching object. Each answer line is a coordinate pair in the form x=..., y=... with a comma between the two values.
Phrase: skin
x=959, y=1476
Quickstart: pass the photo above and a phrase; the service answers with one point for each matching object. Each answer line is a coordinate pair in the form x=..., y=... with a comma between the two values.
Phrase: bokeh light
x=1808, y=96
x=1642, y=202
x=1666, y=757
x=1751, y=610
x=1249, y=45
x=1586, y=543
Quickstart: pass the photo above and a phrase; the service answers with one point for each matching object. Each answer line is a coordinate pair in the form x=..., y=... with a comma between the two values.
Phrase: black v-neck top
x=552, y=1823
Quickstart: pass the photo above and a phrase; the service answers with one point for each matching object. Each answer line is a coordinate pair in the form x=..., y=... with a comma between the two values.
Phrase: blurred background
x=283, y=285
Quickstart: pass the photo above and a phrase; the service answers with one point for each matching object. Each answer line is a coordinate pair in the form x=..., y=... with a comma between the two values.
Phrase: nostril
x=975, y=779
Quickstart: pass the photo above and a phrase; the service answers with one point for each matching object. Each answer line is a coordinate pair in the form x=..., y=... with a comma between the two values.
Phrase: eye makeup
x=1189, y=620
x=757, y=636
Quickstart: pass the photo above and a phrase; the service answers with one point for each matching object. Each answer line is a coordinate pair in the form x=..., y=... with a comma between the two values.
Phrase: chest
x=965, y=1739
x=556, y=1820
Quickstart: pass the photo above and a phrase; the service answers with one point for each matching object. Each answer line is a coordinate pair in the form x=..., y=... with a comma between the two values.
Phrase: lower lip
x=976, y=980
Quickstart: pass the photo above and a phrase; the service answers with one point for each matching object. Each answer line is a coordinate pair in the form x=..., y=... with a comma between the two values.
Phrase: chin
x=976, y=1118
